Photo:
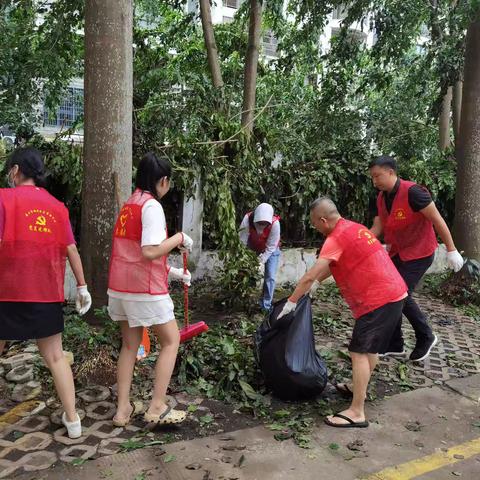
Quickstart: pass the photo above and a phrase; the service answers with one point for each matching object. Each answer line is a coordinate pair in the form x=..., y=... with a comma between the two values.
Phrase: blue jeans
x=271, y=268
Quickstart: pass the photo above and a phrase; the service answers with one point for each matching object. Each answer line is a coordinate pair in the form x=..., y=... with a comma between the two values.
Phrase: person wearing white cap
x=260, y=231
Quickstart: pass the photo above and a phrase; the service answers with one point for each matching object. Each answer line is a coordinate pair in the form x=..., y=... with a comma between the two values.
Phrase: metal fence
x=68, y=112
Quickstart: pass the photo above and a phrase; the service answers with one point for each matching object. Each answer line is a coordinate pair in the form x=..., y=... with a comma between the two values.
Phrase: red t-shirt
x=331, y=250
x=70, y=237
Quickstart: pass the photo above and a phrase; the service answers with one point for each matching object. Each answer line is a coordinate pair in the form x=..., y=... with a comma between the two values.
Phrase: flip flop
x=168, y=417
x=350, y=424
x=344, y=389
x=125, y=421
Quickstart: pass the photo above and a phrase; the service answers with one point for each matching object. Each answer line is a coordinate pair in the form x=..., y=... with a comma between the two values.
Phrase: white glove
x=454, y=260
x=314, y=288
x=187, y=243
x=287, y=308
x=178, y=274
x=83, y=301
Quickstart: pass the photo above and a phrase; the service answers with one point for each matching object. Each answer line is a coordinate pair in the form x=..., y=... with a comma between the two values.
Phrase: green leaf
x=206, y=420
x=248, y=390
x=169, y=458
x=282, y=413
x=78, y=461
x=334, y=446
x=276, y=427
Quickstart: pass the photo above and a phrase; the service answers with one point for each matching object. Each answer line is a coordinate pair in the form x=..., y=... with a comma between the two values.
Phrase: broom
x=189, y=331
x=186, y=333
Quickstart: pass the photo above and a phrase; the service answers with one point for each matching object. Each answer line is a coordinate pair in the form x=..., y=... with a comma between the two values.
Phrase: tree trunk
x=467, y=212
x=251, y=63
x=457, y=109
x=107, y=176
x=444, y=120
x=210, y=44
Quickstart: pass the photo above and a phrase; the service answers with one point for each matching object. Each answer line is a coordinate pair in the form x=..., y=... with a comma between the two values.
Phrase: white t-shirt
x=154, y=232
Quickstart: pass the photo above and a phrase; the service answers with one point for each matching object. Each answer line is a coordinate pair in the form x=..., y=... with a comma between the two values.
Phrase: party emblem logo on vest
x=125, y=214
x=399, y=214
x=40, y=220
x=366, y=234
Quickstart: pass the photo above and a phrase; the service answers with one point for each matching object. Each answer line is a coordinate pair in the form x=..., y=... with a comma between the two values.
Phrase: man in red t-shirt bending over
x=371, y=286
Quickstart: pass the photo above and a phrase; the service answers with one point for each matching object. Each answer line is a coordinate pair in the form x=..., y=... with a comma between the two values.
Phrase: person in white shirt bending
x=260, y=231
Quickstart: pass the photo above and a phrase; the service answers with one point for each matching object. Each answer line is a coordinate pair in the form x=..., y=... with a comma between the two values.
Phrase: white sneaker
x=74, y=429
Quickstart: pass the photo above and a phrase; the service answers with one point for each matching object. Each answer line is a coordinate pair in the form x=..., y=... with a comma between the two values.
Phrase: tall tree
x=210, y=44
x=467, y=213
x=108, y=132
x=251, y=64
x=444, y=120
x=457, y=108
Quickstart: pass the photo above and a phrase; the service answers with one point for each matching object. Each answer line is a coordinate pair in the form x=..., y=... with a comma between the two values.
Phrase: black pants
x=412, y=271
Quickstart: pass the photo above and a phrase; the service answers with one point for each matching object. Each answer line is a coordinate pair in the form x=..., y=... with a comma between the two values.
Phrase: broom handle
x=185, y=292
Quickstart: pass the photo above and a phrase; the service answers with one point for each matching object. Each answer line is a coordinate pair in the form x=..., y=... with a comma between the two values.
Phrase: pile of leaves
x=463, y=287
x=95, y=349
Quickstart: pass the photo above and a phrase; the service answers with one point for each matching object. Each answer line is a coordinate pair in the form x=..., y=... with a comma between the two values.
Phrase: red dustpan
x=189, y=331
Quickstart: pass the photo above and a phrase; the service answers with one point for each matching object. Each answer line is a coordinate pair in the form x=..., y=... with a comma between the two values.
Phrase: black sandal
x=350, y=424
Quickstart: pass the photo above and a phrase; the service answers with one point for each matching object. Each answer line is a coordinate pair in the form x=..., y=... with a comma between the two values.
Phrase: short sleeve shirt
x=154, y=225
x=418, y=199
x=331, y=250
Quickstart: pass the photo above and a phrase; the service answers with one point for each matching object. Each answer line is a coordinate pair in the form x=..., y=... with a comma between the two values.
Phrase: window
x=355, y=36
x=231, y=3
x=340, y=12
x=270, y=44
x=68, y=112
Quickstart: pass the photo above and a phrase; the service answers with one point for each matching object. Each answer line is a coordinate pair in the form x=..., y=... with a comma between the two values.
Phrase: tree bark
x=210, y=44
x=444, y=120
x=251, y=64
x=467, y=212
x=107, y=176
x=457, y=109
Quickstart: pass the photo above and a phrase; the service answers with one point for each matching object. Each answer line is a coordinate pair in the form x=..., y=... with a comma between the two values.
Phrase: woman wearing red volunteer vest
x=260, y=231
x=406, y=215
x=36, y=237
x=371, y=286
x=138, y=287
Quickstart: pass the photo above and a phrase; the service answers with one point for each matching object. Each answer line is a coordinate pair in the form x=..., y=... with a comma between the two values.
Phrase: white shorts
x=141, y=314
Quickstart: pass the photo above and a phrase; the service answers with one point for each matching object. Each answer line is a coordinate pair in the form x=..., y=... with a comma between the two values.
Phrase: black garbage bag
x=286, y=353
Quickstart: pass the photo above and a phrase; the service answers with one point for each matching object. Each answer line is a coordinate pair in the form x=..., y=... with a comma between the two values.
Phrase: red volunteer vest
x=258, y=242
x=33, y=249
x=409, y=233
x=130, y=271
x=364, y=273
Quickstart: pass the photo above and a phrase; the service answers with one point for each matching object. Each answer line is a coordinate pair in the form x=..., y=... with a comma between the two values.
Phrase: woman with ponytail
x=138, y=287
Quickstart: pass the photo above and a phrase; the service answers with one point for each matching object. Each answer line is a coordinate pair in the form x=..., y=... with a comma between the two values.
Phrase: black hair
x=385, y=161
x=150, y=170
x=30, y=164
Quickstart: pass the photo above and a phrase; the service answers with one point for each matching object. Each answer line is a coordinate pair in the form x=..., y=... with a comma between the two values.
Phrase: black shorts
x=30, y=320
x=372, y=332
